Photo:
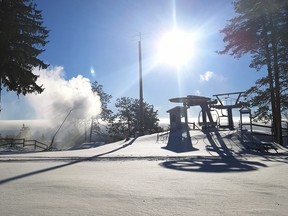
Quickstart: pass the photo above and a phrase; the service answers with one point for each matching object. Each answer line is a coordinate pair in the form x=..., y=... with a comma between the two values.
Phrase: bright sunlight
x=175, y=48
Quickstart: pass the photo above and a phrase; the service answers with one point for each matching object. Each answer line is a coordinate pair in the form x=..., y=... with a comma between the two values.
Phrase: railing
x=25, y=143
x=268, y=128
x=162, y=137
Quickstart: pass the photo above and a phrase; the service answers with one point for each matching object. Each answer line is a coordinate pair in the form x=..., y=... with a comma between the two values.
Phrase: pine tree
x=106, y=113
x=22, y=37
x=260, y=29
x=127, y=119
x=105, y=100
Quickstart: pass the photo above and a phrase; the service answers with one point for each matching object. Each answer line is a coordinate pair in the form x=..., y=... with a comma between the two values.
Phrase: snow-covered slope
x=222, y=143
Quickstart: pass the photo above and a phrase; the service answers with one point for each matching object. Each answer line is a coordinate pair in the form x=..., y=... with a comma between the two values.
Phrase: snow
x=140, y=177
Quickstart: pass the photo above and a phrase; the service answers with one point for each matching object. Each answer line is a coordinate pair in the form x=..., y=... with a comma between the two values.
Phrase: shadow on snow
x=224, y=162
x=7, y=180
x=209, y=164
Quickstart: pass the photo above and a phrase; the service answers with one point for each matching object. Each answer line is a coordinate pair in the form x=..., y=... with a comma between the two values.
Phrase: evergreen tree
x=105, y=116
x=260, y=29
x=22, y=36
x=105, y=100
x=126, y=120
x=121, y=124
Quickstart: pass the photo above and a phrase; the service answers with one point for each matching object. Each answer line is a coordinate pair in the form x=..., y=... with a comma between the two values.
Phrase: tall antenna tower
x=141, y=117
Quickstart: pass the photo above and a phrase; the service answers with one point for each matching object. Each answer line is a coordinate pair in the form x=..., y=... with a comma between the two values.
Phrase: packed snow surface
x=141, y=177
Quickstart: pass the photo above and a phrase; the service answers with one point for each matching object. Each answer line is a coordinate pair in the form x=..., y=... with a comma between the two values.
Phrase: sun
x=175, y=48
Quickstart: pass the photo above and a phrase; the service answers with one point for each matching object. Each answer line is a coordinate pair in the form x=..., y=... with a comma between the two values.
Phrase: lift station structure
x=207, y=105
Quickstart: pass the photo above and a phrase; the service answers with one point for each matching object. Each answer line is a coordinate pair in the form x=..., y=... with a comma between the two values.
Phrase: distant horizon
x=36, y=124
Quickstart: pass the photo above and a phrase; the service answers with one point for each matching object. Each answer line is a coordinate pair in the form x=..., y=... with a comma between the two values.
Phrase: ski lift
x=228, y=107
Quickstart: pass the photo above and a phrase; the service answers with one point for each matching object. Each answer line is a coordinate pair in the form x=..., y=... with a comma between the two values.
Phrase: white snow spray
x=70, y=100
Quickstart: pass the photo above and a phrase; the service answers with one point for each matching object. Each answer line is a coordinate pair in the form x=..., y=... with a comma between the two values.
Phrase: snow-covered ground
x=140, y=177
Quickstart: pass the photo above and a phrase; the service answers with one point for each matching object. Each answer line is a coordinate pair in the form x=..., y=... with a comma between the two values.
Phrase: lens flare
x=92, y=71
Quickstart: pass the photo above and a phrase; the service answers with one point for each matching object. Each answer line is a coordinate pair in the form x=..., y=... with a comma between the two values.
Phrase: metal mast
x=141, y=117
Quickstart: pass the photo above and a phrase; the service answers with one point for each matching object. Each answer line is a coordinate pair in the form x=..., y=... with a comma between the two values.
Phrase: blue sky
x=102, y=36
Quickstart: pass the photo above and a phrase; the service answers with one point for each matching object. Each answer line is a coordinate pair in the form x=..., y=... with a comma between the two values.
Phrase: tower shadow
x=224, y=162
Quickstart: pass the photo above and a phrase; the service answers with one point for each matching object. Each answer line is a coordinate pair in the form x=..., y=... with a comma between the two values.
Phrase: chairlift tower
x=207, y=103
x=237, y=104
x=204, y=102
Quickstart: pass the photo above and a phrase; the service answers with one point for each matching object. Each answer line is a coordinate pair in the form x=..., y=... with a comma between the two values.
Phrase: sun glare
x=175, y=48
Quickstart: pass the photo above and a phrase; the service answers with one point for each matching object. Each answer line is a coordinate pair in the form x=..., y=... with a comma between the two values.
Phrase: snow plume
x=61, y=98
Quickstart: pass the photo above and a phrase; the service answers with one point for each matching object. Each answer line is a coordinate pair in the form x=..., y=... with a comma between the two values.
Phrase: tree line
x=126, y=121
